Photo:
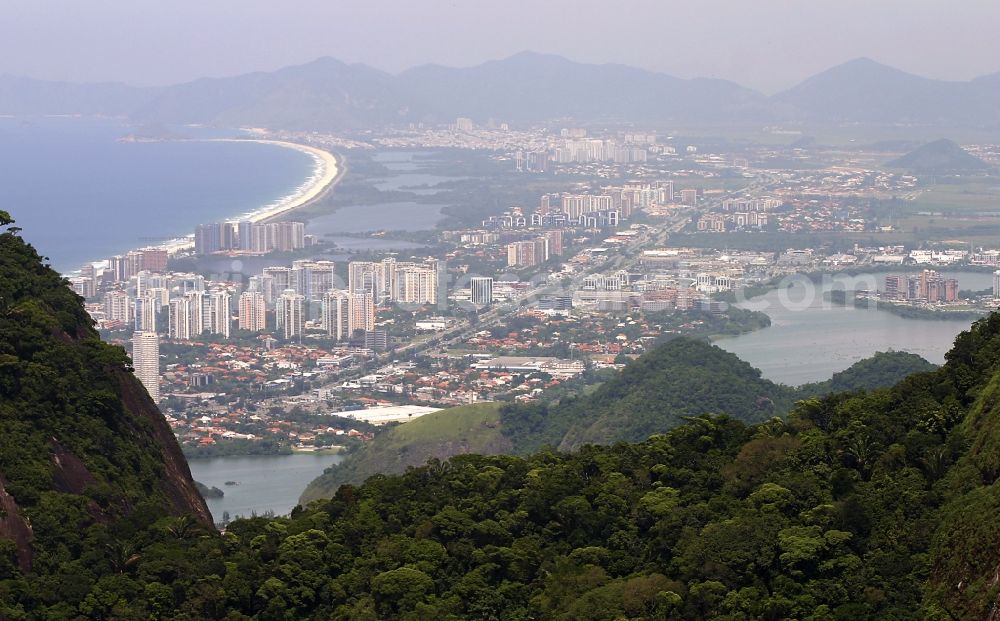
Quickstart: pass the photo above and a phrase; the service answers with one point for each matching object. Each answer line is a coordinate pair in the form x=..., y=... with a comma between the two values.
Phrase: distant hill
x=653, y=394
x=328, y=94
x=879, y=371
x=865, y=91
x=940, y=157
x=455, y=431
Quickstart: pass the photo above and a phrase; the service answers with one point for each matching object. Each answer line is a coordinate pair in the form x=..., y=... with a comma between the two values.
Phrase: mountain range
x=328, y=94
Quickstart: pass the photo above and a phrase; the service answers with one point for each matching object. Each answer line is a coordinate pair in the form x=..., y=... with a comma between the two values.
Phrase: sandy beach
x=324, y=176
x=325, y=172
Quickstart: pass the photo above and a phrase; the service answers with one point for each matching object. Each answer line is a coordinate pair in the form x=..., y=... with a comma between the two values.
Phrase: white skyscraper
x=336, y=314
x=996, y=284
x=216, y=313
x=290, y=314
x=345, y=312
x=481, y=288
x=145, y=313
x=146, y=361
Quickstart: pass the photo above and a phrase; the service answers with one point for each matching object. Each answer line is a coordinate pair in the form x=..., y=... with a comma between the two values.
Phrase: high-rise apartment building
x=312, y=279
x=146, y=361
x=146, y=309
x=274, y=281
x=290, y=314
x=416, y=284
x=344, y=313
x=361, y=308
x=336, y=314
x=117, y=306
x=216, y=313
x=253, y=311
x=184, y=317
x=528, y=253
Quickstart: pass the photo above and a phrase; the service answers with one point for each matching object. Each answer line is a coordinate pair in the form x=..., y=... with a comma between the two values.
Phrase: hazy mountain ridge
x=866, y=91
x=328, y=94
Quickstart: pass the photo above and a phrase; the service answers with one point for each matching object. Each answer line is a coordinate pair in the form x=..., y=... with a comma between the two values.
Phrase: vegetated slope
x=652, y=395
x=439, y=435
x=84, y=453
x=940, y=157
x=884, y=369
x=679, y=379
x=857, y=506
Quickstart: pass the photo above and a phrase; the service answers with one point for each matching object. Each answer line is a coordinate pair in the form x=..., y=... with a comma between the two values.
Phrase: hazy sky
x=764, y=44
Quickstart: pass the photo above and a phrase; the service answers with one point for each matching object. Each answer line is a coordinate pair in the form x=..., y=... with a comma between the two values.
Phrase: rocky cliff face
x=83, y=449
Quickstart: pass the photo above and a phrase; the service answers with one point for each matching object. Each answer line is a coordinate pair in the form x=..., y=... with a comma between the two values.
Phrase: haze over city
x=526, y=310
x=767, y=45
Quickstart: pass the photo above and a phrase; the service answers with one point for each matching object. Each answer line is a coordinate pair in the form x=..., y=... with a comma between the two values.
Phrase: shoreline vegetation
x=900, y=310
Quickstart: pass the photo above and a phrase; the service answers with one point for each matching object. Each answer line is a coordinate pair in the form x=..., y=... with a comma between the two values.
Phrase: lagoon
x=810, y=338
x=265, y=482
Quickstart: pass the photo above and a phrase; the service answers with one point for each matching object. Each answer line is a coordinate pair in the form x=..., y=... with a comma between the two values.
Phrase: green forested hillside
x=882, y=370
x=455, y=431
x=878, y=505
x=85, y=457
x=679, y=379
x=654, y=394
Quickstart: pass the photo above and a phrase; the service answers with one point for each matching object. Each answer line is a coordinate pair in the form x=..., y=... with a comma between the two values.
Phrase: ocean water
x=80, y=195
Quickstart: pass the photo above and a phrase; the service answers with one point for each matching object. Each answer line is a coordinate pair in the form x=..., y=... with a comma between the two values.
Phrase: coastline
x=326, y=174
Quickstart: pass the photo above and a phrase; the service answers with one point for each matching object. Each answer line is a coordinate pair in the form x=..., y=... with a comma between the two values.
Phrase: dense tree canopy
x=877, y=505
